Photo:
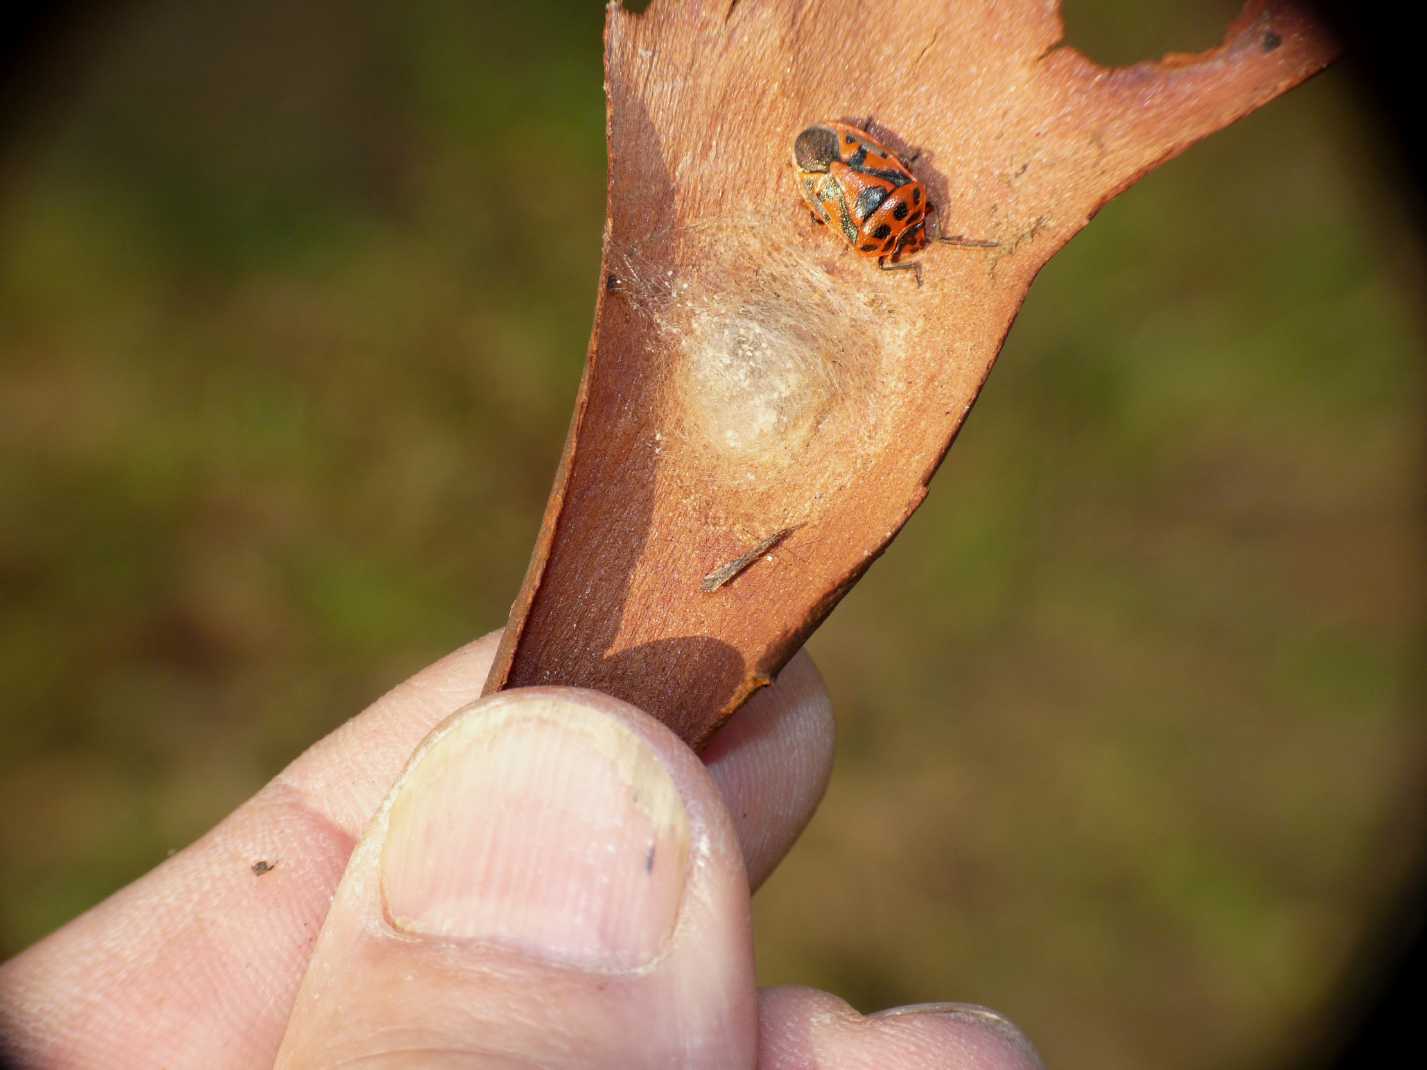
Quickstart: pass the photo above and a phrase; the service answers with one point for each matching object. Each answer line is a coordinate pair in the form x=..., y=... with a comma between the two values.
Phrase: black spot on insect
x=869, y=200
x=900, y=212
x=882, y=231
x=858, y=158
x=889, y=245
x=916, y=195
x=1271, y=41
x=869, y=247
x=815, y=148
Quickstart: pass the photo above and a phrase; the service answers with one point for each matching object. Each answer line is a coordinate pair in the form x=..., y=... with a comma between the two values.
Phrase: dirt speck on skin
x=263, y=866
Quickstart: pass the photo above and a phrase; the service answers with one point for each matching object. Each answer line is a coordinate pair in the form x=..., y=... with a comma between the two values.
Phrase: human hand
x=554, y=881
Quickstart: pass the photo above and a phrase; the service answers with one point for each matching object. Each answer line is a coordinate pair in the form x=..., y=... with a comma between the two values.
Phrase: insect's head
x=815, y=148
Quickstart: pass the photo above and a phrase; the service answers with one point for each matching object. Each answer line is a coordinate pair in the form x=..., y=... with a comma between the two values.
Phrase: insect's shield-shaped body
x=858, y=186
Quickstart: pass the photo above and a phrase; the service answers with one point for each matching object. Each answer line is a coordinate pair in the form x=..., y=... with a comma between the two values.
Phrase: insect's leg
x=956, y=239
x=914, y=266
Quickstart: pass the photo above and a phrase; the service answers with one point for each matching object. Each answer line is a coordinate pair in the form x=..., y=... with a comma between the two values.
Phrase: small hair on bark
x=729, y=572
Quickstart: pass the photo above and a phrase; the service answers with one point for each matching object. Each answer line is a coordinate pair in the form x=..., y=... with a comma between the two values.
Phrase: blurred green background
x=1130, y=748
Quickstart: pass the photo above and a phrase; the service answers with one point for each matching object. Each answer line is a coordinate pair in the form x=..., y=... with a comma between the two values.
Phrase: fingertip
x=802, y=1027
x=987, y=1037
x=772, y=761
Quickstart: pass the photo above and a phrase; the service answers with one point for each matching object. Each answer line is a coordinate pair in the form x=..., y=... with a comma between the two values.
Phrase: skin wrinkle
x=468, y=1040
x=292, y=797
x=376, y=745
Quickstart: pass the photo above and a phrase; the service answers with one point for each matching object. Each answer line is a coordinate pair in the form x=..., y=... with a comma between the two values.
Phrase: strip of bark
x=748, y=375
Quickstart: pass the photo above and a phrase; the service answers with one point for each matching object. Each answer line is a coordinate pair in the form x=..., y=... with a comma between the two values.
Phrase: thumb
x=553, y=882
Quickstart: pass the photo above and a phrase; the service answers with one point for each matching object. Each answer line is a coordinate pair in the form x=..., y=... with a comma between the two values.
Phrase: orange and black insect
x=856, y=185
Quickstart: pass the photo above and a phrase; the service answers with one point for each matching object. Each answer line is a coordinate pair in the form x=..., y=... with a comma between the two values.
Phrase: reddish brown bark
x=750, y=377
